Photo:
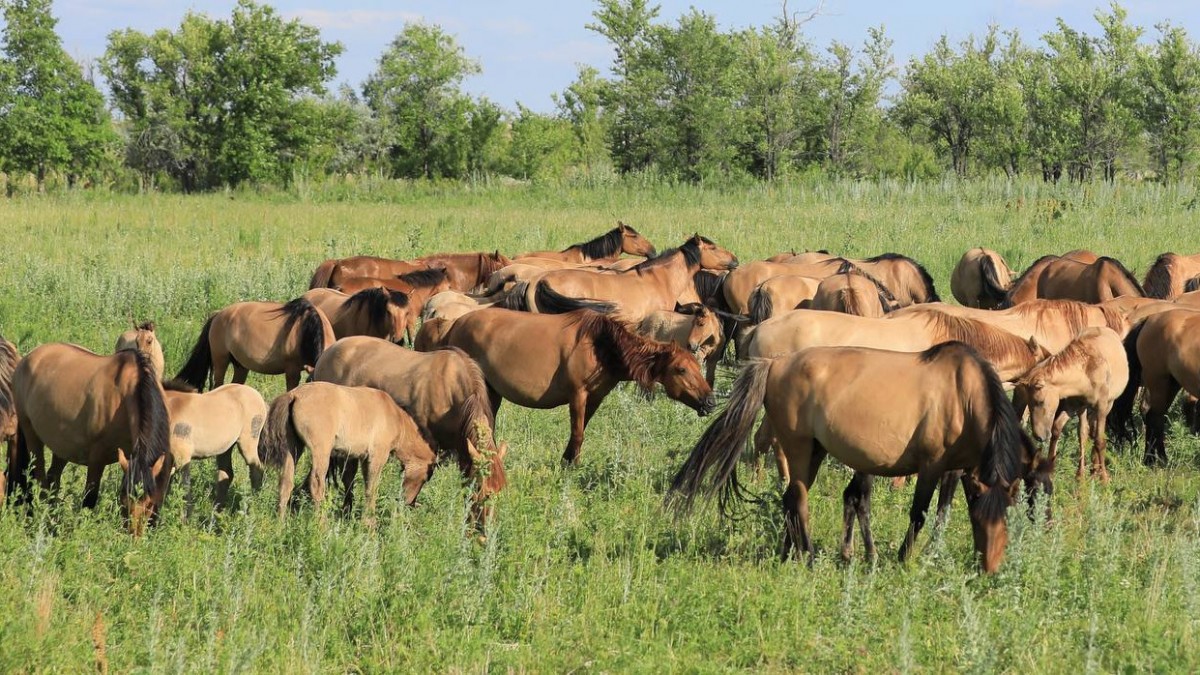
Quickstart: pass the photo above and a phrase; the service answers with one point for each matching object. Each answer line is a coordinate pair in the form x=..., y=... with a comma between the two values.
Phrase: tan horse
x=356, y=423
x=1084, y=379
x=780, y=294
x=741, y=282
x=880, y=413
x=418, y=286
x=466, y=272
x=445, y=393
x=696, y=328
x=331, y=273
x=432, y=334
x=451, y=305
x=264, y=337
x=1167, y=277
x=981, y=279
x=1164, y=356
x=209, y=425
x=142, y=338
x=93, y=410
x=1061, y=278
x=653, y=285
x=376, y=312
x=548, y=360
x=605, y=248
x=853, y=291
x=799, y=329
x=1053, y=323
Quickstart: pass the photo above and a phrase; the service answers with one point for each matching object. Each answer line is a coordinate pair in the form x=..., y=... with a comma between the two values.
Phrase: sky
x=530, y=49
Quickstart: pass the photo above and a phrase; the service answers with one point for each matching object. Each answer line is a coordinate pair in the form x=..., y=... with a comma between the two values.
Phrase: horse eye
x=681, y=370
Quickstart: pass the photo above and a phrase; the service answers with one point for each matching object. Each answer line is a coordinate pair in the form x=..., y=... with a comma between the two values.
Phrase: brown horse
x=1060, y=278
x=332, y=272
x=418, y=286
x=264, y=337
x=981, y=279
x=209, y=425
x=605, y=248
x=466, y=271
x=906, y=279
x=142, y=338
x=1164, y=356
x=377, y=312
x=1053, y=323
x=653, y=285
x=780, y=294
x=696, y=328
x=1084, y=380
x=853, y=291
x=356, y=423
x=93, y=410
x=546, y=361
x=445, y=393
x=880, y=413
x=451, y=305
x=800, y=329
x=9, y=357
x=1167, y=277
x=741, y=282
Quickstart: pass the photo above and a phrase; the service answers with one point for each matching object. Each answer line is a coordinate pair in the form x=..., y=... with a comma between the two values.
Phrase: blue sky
x=530, y=48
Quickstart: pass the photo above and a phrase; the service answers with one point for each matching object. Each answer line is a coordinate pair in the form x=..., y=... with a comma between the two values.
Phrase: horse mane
x=424, y=278
x=176, y=384
x=993, y=290
x=1191, y=285
x=152, y=437
x=983, y=338
x=690, y=251
x=1073, y=353
x=489, y=264
x=886, y=299
x=603, y=246
x=1158, y=277
x=622, y=351
x=374, y=302
x=1105, y=260
x=1023, y=277
x=708, y=285
x=312, y=328
x=926, y=280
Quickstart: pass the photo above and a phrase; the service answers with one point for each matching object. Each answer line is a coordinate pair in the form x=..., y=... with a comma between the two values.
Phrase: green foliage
x=1170, y=106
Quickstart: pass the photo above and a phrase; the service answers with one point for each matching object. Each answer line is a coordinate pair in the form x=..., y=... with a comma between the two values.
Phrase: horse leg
x=578, y=409
x=1056, y=430
x=91, y=485
x=316, y=477
x=1084, y=428
x=1191, y=413
x=373, y=468
x=495, y=400
x=287, y=482
x=292, y=378
x=349, y=472
x=248, y=446
x=764, y=439
x=927, y=482
x=1099, y=445
x=856, y=506
x=1159, y=395
x=185, y=483
x=240, y=373
x=946, y=496
x=220, y=366
x=53, y=477
x=803, y=464
x=224, y=478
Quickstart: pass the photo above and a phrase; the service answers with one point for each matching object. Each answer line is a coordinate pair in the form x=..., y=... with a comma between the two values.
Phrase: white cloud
x=350, y=19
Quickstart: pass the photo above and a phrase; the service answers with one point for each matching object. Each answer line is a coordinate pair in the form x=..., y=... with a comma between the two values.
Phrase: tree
x=53, y=118
x=581, y=105
x=851, y=95
x=1170, y=102
x=777, y=91
x=632, y=97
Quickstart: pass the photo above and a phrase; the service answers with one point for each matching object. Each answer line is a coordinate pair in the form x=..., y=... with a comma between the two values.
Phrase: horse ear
x=122, y=460
x=1033, y=345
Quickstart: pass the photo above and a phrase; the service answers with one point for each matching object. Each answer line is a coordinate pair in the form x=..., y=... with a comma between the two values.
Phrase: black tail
x=199, y=364
x=1158, y=278
x=1120, y=426
x=152, y=439
x=761, y=306
x=721, y=445
x=515, y=300
x=279, y=437
x=312, y=328
x=550, y=301
x=993, y=290
x=16, y=474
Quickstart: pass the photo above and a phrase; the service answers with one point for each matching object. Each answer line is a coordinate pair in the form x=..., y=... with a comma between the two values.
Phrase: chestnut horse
x=264, y=337
x=445, y=393
x=981, y=279
x=880, y=413
x=332, y=272
x=605, y=248
x=549, y=360
x=466, y=271
x=742, y=282
x=377, y=312
x=1061, y=278
x=9, y=357
x=1168, y=276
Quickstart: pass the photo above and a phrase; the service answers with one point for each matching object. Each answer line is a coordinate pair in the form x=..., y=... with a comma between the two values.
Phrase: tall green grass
x=583, y=569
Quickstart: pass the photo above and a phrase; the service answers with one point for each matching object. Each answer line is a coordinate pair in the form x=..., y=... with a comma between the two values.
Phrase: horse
x=549, y=360
x=779, y=294
x=981, y=279
x=9, y=357
x=853, y=291
x=142, y=338
x=605, y=248
x=799, y=329
x=1053, y=323
x=265, y=337
x=741, y=282
x=1084, y=379
x=1164, y=356
x=451, y=305
x=465, y=271
x=696, y=328
x=653, y=285
x=1167, y=277
x=906, y=279
x=1060, y=278
x=209, y=425
x=93, y=410
x=333, y=271
x=419, y=286
x=377, y=312
x=356, y=423
x=880, y=413
x=445, y=393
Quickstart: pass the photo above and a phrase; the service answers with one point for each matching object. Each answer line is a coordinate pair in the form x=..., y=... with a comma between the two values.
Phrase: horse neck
x=674, y=276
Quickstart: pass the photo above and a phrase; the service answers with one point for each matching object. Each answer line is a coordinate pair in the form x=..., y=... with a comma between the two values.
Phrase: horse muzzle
x=707, y=406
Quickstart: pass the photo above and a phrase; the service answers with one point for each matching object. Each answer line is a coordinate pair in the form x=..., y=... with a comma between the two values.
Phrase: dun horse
x=1168, y=276
x=981, y=279
x=853, y=291
x=605, y=248
x=696, y=328
x=781, y=294
x=142, y=338
x=356, y=423
x=943, y=410
x=264, y=337
x=1061, y=278
x=546, y=361
x=1053, y=323
x=376, y=312
x=331, y=273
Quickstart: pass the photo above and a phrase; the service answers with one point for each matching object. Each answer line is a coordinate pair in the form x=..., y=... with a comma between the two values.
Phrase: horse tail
x=1120, y=418
x=550, y=301
x=152, y=429
x=279, y=438
x=1158, y=277
x=199, y=364
x=16, y=475
x=761, y=306
x=721, y=445
x=992, y=288
x=312, y=335
x=848, y=298
x=1192, y=284
x=516, y=299
x=323, y=274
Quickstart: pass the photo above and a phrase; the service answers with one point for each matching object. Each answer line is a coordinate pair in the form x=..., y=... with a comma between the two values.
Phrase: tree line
x=225, y=102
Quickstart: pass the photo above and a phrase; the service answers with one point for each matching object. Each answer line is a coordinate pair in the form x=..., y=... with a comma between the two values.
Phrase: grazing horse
x=330, y=273
x=264, y=337
x=376, y=312
x=418, y=286
x=906, y=279
x=356, y=423
x=93, y=410
x=445, y=393
x=605, y=248
x=1061, y=278
x=142, y=338
x=210, y=424
x=780, y=294
x=1164, y=356
x=1084, y=379
x=451, y=305
x=653, y=285
x=1053, y=323
x=1168, y=276
x=550, y=360
x=981, y=279
x=880, y=413
x=799, y=329
x=696, y=328
x=853, y=291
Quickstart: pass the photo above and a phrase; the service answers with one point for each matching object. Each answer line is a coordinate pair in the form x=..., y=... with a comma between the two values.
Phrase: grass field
x=583, y=569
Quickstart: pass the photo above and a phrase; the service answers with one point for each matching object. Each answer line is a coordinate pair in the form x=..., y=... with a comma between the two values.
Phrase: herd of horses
x=855, y=359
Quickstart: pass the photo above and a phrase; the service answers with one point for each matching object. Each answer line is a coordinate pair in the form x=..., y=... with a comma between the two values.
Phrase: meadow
x=583, y=570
